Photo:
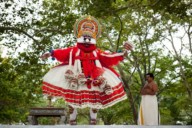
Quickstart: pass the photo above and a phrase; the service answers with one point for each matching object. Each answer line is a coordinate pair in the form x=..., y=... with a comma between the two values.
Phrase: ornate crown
x=87, y=26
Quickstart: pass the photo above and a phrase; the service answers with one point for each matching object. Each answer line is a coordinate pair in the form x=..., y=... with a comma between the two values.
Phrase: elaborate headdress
x=87, y=26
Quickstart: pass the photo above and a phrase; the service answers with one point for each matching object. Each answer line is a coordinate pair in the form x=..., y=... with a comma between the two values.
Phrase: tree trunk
x=130, y=96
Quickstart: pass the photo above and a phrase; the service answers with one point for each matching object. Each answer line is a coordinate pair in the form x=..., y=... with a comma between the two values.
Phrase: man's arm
x=149, y=90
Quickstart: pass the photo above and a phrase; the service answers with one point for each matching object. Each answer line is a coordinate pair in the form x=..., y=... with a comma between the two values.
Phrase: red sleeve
x=62, y=55
x=110, y=59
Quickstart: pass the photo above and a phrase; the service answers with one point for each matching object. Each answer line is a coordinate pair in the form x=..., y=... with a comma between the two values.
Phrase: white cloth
x=73, y=115
x=92, y=114
x=148, y=112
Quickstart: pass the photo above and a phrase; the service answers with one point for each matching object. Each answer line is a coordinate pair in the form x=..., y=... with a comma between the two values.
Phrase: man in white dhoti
x=148, y=113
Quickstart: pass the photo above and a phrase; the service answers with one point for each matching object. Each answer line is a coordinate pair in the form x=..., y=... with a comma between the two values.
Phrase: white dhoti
x=148, y=112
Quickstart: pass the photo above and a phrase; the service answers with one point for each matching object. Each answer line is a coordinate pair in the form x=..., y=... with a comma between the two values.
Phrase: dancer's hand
x=128, y=46
x=45, y=56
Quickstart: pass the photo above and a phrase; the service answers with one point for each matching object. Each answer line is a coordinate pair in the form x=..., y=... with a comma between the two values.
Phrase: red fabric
x=90, y=48
x=97, y=72
x=62, y=55
x=88, y=59
x=107, y=61
x=88, y=65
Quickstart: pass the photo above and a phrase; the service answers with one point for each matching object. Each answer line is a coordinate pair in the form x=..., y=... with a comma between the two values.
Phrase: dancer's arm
x=60, y=54
x=112, y=59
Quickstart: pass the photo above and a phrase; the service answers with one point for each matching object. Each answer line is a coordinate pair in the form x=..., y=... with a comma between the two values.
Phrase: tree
x=43, y=25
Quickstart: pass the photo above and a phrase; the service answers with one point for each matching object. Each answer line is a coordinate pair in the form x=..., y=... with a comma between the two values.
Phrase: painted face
x=87, y=41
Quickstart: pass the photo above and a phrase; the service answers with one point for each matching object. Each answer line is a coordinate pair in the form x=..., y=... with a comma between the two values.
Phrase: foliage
x=118, y=114
x=30, y=28
x=19, y=89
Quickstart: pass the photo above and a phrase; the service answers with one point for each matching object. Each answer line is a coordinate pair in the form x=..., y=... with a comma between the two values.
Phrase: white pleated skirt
x=55, y=84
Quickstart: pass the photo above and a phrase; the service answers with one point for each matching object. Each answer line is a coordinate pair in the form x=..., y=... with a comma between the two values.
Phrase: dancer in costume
x=148, y=113
x=86, y=77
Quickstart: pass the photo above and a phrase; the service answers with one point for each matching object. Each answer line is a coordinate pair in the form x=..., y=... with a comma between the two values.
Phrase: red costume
x=86, y=77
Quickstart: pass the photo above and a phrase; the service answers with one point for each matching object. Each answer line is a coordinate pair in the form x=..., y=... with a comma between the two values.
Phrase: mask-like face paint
x=87, y=39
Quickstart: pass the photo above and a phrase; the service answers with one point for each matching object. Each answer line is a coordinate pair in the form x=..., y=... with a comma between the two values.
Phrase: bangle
x=52, y=53
x=119, y=51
